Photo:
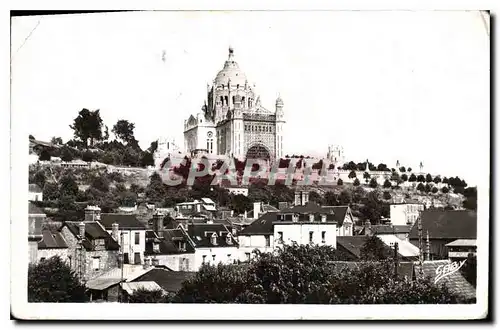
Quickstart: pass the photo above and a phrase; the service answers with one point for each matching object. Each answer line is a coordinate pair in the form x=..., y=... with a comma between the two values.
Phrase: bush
x=340, y=182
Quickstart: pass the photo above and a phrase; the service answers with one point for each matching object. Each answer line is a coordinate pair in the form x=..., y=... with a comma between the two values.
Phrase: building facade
x=233, y=122
x=405, y=213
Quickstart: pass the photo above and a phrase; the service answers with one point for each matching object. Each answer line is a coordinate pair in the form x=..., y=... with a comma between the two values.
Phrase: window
x=96, y=263
x=42, y=259
x=204, y=258
x=137, y=258
x=311, y=237
x=70, y=262
x=247, y=254
x=280, y=236
x=182, y=246
x=323, y=237
x=213, y=257
x=311, y=217
x=213, y=239
x=125, y=258
x=156, y=247
x=229, y=257
x=137, y=238
x=228, y=239
x=268, y=240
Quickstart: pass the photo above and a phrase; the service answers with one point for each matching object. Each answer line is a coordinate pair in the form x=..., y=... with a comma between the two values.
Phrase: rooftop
x=447, y=224
x=124, y=221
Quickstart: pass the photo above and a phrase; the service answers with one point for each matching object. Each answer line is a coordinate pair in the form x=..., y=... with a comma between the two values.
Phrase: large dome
x=231, y=71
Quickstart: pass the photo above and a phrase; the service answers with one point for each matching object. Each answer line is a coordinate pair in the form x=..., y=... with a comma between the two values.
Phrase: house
x=400, y=231
x=214, y=243
x=172, y=248
x=106, y=286
x=36, y=219
x=258, y=209
x=197, y=206
x=353, y=245
x=444, y=227
x=53, y=244
x=461, y=248
x=454, y=280
x=406, y=212
x=91, y=249
x=406, y=250
x=129, y=232
x=305, y=224
x=35, y=193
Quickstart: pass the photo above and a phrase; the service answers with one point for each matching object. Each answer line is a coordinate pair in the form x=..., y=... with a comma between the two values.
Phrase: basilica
x=232, y=122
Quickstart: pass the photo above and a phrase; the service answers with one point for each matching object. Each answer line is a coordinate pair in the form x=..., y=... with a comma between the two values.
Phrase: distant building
x=461, y=248
x=400, y=231
x=36, y=218
x=35, y=193
x=405, y=213
x=444, y=227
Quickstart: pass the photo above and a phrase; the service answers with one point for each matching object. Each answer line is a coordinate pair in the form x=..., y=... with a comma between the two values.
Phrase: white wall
x=177, y=262
x=34, y=196
x=129, y=245
x=49, y=253
x=401, y=214
x=299, y=232
x=221, y=255
x=251, y=242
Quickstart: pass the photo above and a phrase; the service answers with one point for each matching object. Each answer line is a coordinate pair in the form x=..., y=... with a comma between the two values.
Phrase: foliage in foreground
x=52, y=280
x=305, y=275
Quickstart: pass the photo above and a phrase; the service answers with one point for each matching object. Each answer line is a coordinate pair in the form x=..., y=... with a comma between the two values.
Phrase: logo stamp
x=445, y=270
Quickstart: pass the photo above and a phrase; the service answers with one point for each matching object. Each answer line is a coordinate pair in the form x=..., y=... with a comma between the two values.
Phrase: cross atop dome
x=231, y=52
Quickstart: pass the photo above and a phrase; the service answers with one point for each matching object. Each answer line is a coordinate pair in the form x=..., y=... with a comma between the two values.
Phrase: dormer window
x=323, y=218
x=295, y=217
x=311, y=217
x=213, y=239
x=156, y=247
x=182, y=246
x=228, y=239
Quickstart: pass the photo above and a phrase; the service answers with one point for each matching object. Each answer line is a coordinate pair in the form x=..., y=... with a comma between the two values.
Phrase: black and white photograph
x=239, y=164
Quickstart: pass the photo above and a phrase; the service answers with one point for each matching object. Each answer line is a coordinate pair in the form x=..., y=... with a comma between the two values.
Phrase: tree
x=428, y=188
x=331, y=166
x=147, y=159
x=387, y=184
x=382, y=167
x=148, y=296
x=387, y=195
x=470, y=202
x=124, y=130
x=373, y=183
x=331, y=199
x=316, y=198
x=44, y=155
x=366, y=176
x=420, y=178
x=155, y=191
x=404, y=177
x=434, y=190
x=340, y=182
x=421, y=187
x=101, y=183
x=51, y=191
x=356, y=182
x=153, y=147
x=402, y=169
x=69, y=187
x=39, y=179
x=31, y=137
x=445, y=180
x=428, y=178
x=88, y=156
x=240, y=203
x=412, y=178
x=52, y=280
x=87, y=127
x=345, y=197
x=437, y=179
x=66, y=154
x=408, y=169
x=56, y=140
x=372, y=208
x=469, y=269
x=373, y=249
x=445, y=190
x=352, y=175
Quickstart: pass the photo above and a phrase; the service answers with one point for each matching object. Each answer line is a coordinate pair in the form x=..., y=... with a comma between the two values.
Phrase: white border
x=18, y=175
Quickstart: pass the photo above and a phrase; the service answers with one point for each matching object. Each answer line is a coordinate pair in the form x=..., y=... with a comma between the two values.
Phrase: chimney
x=81, y=230
x=246, y=215
x=92, y=213
x=297, y=197
x=256, y=209
x=114, y=232
x=158, y=223
x=368, y=228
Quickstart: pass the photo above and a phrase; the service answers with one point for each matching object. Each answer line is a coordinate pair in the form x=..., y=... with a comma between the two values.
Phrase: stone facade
x=108, y=259
x=233, y=122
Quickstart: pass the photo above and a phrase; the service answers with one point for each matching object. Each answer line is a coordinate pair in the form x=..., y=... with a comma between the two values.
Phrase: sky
x=387, y=86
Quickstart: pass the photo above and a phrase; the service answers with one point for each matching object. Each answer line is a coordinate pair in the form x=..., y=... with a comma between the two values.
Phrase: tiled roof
x=33, y=209
x=93, y=230
x=389, y=229
x=261, y=226
x=124, y=221
x=169, y=244
x=201, y=235
x=52, y=240
x=455, y=282
x=34, y=188
x=339, y=213
x=447, y=224
x=130, y=287
x=207, y=201
x=405, y=248
x=463, y=242
x=352, y=244
x=115, y=275
x=170, y=281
